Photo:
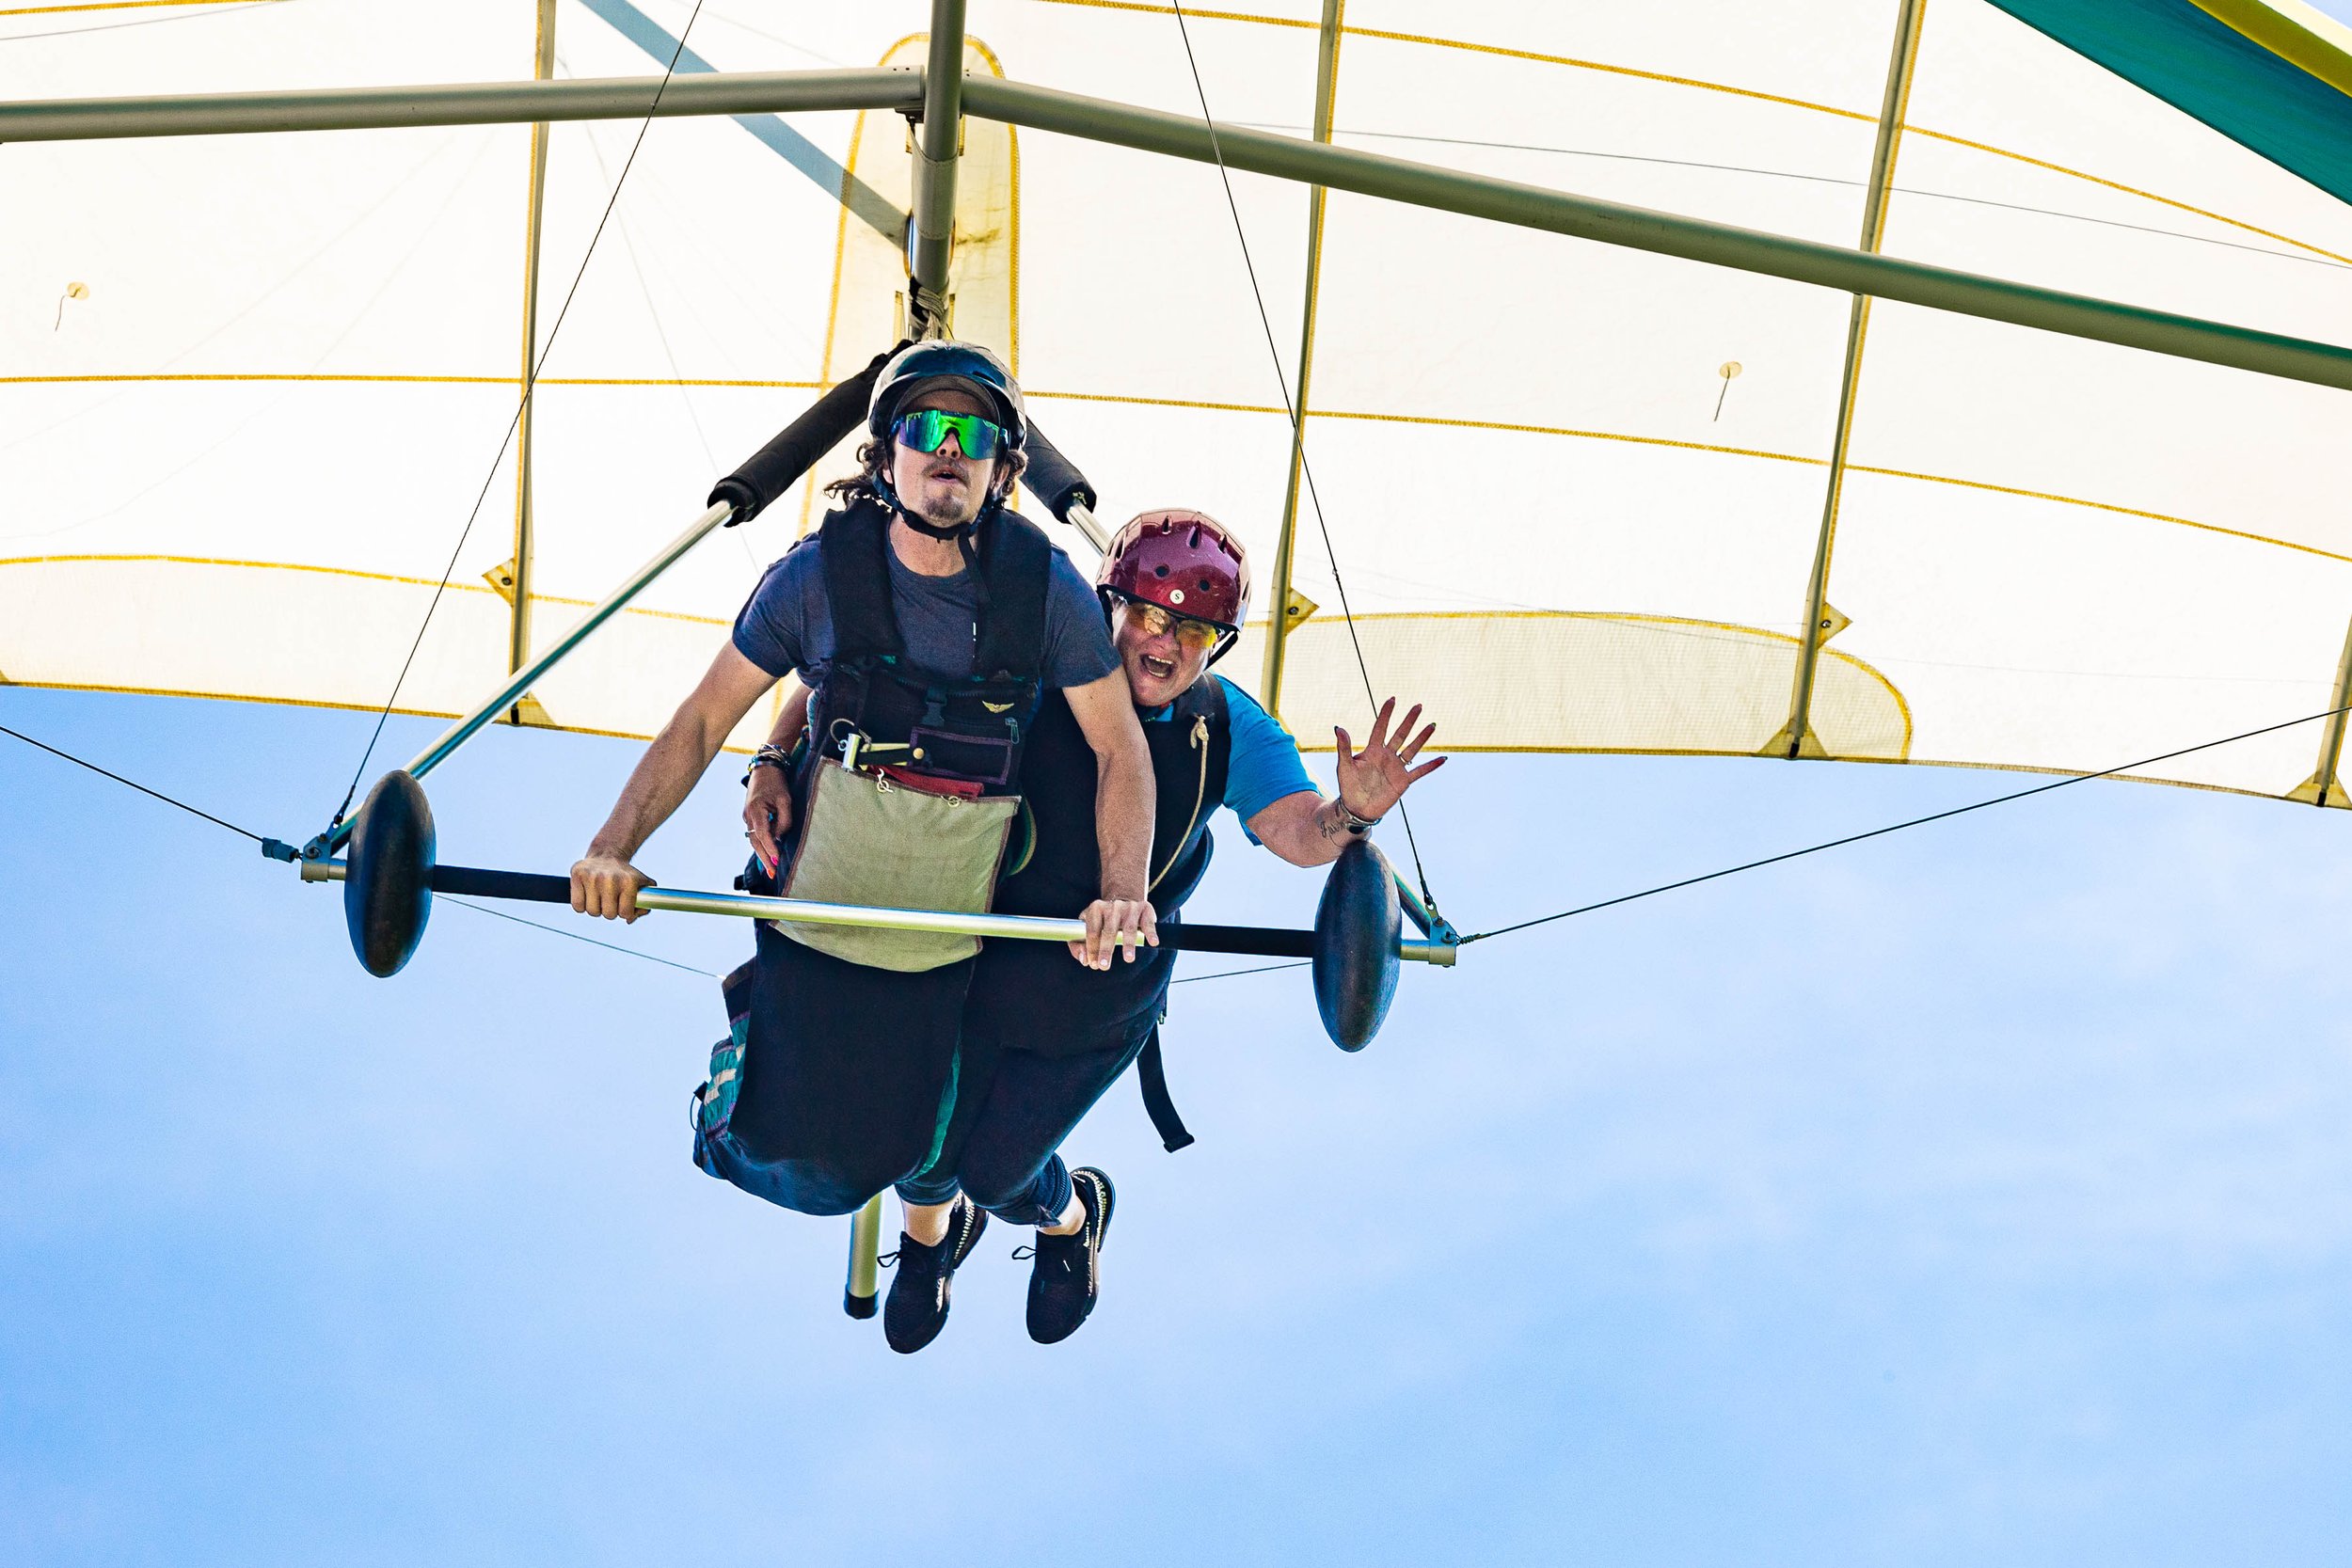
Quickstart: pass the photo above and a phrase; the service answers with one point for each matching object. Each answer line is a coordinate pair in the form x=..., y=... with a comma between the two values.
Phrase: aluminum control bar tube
x=1185, y=937
x=523, y=679
x=1183, y=136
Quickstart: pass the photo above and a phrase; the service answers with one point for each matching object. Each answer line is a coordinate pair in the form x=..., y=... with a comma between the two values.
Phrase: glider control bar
x=391, y=875
x=1264, y=942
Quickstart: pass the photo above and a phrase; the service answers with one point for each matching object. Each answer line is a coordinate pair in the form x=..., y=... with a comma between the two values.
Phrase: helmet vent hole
x=1159, y=571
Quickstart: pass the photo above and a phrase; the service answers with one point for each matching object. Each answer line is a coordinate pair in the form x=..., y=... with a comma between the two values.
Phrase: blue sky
x=1979, y=1195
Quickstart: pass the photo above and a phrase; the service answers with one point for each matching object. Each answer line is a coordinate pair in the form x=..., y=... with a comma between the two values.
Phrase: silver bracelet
x=1354, y=823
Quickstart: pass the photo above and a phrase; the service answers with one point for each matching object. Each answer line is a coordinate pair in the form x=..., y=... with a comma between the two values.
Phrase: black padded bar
x=778, y=465
x=531, y=887
x=1053, y=479
x=1264, y=942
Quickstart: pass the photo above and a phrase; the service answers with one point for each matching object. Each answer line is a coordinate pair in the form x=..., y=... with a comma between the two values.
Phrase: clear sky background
x=1979, y=1195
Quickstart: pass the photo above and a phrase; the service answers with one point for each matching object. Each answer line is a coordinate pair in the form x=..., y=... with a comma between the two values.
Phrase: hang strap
x=855, y=543
x=1151, y=1075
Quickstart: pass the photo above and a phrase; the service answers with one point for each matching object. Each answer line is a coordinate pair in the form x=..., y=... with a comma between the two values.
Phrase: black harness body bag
x=850, y=1072
x=1033, y=995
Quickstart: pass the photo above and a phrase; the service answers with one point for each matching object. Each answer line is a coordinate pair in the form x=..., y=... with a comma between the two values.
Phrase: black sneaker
x=1067, y=1274
x=918, y=1307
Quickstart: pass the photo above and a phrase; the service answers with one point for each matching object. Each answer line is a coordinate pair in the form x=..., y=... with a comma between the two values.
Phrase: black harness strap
x=1016, y=562
x=970, y=727
x=857, y=584
x=1151, y=1073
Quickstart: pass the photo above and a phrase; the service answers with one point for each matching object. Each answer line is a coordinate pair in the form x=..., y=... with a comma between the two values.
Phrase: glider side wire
x=1899, y=826
x=1237, y=973
x=559, y=931
x=1298, y=431
x=529, y=384
x=132, y=784
x=247, y=833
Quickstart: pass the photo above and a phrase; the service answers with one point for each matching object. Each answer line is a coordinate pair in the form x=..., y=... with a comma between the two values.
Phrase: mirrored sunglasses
x=926, y=428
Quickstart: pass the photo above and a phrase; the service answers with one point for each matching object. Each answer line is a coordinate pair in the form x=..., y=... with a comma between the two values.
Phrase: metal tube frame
x=464, y=729
x=1663, y=233
x=805, y=912
x=2324, y=788
x=931, y=231
x=1286, y=542
x=1081, y=516
x=1796, y=738
x=460, y=104
x=518, y=612
x=1177, y=136
x=865, y=1268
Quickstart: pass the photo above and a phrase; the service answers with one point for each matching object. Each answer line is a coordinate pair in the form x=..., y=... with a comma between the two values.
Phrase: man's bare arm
x=1123, y=803
x=604, y=882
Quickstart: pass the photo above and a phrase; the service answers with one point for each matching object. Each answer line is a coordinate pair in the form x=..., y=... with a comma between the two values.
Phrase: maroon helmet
x=1184, y=561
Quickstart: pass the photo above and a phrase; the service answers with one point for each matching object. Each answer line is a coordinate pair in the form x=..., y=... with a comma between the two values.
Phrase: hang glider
x=1870, y=380
x=2062, y=493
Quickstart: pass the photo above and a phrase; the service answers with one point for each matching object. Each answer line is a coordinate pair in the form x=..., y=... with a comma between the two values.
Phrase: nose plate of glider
x=1357, y=925
x=388, y=889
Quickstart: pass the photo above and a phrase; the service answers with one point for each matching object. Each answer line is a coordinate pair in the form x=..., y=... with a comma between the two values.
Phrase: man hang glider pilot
x=950, y=659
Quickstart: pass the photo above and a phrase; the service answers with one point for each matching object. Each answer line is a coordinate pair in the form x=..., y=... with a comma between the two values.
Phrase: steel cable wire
x=1299, y=432
x=1899, y=826
x=529, y=385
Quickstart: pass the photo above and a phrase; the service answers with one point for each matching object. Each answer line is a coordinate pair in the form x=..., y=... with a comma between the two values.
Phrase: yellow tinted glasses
x=1151, y=621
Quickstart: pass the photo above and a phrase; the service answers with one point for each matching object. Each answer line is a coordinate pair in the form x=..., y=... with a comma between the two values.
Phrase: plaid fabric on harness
x=714, y=1102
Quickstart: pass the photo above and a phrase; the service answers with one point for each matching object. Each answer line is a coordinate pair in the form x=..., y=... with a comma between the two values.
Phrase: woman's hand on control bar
x=767, y=815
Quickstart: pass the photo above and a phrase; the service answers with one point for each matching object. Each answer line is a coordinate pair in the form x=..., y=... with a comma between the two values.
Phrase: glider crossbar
x=1583, y=217
x=1187, y=937
x=1180, y=136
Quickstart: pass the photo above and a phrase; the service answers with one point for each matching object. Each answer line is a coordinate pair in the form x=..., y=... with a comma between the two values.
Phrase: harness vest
x=1031, y=992
x=1062, y=874
x=973, y=728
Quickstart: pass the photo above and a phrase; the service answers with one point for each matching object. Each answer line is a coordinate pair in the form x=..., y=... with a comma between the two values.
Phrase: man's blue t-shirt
x=1264, y=764
x=787, y=624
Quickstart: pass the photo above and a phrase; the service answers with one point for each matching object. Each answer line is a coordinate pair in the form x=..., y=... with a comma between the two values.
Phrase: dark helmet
x=968, y=365
x=1187, y=562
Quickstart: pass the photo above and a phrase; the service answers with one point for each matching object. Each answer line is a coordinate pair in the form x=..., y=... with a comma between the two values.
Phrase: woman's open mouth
x=1157, y=668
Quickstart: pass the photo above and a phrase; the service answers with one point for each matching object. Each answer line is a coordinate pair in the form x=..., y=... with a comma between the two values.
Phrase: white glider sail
x=1579, y=496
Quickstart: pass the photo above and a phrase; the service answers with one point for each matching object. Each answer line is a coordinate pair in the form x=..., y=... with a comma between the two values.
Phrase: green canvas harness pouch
x=870, y=839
